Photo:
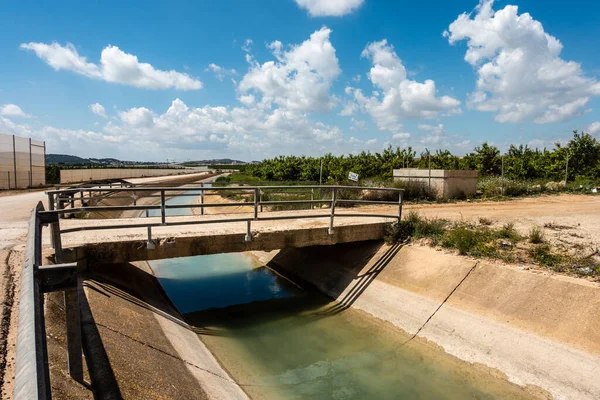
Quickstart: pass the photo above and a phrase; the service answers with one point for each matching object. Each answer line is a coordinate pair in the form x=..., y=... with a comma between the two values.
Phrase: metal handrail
x=257, y=204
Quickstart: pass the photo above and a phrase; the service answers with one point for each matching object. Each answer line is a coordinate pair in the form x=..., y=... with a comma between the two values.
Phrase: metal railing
x=32, y=380
x=64, y=202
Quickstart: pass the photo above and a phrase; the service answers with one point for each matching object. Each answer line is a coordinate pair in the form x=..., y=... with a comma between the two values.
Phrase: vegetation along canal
x=279, y=341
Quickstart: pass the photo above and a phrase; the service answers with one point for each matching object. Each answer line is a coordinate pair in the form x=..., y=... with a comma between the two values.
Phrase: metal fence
x=22, y=162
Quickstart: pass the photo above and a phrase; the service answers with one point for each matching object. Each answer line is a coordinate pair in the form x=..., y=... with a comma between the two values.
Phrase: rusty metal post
x=333, y=193
x=312, y=198
x=163, y=214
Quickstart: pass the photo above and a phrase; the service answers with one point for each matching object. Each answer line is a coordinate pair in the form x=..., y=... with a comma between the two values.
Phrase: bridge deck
x=123, y=245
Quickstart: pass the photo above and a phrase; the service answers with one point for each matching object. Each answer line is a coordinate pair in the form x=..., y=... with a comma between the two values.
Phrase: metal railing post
x=333, y=192
x=248, y=237
x=163, y=214
x=312, y=198
x=260, y=201
x=256, y=194
x=149, y=243
x=74, y=347
x=135, y=199
x=55, y=238
x=202, y=198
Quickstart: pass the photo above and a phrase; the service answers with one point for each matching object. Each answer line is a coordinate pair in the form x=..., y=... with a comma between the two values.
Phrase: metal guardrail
x=32, y=380
x=31, y=374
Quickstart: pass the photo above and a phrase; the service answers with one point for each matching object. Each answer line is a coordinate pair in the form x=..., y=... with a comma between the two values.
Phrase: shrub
x=536, y=235
x=509, y=232
x=464, y=239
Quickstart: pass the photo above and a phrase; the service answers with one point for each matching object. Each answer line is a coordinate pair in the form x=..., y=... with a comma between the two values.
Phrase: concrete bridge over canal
x=73, y=242
x=327, y=221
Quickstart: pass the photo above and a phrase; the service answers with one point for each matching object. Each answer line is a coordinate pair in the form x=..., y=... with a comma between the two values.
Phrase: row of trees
x=580, y=157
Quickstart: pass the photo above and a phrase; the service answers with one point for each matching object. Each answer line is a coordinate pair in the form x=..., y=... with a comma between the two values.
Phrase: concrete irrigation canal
x=328, y=312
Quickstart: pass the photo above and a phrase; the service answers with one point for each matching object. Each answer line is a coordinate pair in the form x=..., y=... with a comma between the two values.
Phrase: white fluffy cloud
x=329, y=8
x=13, y=110
x=520, y=73
x=115, y=66
x=397, y=98
x=183, y=131
x=593, y=128
x=98, y=109
x=300, y=79
x=220, y=72
x=139, y=117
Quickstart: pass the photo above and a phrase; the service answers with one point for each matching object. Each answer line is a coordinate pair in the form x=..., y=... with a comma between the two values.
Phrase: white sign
x=353, y=177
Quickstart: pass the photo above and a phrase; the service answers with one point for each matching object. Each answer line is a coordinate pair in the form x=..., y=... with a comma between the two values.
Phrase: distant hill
x=219, y=161
x=65, y=159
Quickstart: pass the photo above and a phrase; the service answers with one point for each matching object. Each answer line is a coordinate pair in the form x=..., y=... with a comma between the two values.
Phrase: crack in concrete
x=441, y=304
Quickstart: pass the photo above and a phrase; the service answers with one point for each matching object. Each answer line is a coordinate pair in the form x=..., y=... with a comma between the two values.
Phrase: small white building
x=444, y=183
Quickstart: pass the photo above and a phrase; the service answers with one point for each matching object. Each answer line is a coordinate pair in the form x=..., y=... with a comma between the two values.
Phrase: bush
x=464, y=239
x=414, y=226
x=536, y=235
x=485, y=221
x=509, y=232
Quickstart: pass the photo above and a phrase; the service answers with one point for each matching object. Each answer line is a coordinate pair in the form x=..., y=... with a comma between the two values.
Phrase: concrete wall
x=84, y=175
x=445, y=183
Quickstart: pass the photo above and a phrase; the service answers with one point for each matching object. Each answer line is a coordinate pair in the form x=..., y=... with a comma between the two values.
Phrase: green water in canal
x=281, y=342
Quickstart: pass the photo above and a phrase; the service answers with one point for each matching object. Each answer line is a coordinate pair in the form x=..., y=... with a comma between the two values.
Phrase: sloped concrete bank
x=136, y=343
x=540, y=330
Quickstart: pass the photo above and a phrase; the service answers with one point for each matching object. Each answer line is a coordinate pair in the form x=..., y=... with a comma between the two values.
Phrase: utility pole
x=567, y=170
x=321, y=174
x=502, y=174
x=429, y=166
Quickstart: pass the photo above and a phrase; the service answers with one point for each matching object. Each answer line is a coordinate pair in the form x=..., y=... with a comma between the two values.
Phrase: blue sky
x=249, y=80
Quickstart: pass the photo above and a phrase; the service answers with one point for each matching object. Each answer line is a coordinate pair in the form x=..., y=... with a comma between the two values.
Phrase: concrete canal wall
x=538, y=329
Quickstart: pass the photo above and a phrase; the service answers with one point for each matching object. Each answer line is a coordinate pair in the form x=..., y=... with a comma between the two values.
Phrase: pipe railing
x=254, y=201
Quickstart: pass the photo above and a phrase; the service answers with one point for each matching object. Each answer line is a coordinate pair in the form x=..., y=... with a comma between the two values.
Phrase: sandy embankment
x=538, y=329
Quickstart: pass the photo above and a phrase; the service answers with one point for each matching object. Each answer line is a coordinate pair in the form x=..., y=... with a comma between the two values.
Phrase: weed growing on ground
x=509, y=232
x=536, y=235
